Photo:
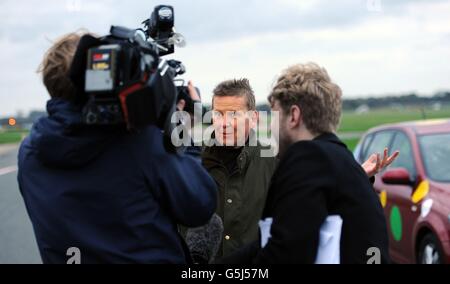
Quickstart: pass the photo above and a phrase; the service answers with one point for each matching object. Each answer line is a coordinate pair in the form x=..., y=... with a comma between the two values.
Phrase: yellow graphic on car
x=383, y=198
x=421, y=191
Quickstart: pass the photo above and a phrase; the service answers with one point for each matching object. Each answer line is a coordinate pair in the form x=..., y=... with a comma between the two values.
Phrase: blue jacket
x=116, y=196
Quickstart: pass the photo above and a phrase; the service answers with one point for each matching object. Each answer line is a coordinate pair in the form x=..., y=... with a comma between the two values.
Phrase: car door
x=399, y=209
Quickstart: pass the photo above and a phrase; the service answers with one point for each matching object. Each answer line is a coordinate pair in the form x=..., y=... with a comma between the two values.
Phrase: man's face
x=232, y=120
x=284, y=137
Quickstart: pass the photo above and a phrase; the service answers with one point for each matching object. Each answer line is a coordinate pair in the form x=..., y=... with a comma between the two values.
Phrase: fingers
x=378, y=164
x=392, y=158
x=385, y=157
x=371, y=165
x=368, y=164
x=372, y=158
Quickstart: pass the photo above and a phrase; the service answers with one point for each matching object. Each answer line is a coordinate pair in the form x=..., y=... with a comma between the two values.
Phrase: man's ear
x=254, y=118
x=295, y=116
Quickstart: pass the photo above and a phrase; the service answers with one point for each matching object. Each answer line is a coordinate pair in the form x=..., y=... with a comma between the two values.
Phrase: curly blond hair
x=309, y=86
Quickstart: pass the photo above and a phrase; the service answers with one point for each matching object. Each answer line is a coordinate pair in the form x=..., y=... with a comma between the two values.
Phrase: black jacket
x=315, y=179
x=116, y=196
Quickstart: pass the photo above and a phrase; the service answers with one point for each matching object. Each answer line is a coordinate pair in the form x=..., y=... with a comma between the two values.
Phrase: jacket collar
x=330, y=137
x=211, y=155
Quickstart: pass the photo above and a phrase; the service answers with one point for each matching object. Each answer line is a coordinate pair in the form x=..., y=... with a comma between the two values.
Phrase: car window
x=435, y=150
x=380, y=141
x=406, y=158
x=364, y=146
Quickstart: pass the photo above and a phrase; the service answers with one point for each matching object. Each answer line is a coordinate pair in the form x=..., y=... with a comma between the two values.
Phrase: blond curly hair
x=309, y=86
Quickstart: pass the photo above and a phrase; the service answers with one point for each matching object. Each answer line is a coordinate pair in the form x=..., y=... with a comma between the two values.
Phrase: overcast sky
x=369, y=47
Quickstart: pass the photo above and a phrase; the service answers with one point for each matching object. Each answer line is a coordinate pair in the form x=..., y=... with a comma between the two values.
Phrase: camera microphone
x=204, y=242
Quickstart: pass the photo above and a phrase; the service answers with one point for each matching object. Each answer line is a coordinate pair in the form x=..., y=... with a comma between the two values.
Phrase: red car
x=415, y=190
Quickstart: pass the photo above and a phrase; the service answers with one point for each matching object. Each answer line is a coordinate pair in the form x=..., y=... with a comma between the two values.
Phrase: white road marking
x=8, y=170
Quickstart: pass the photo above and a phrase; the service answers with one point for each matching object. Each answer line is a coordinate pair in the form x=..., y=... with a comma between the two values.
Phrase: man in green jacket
x=240, y=172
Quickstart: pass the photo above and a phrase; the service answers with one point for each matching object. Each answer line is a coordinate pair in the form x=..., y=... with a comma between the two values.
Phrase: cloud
x=199, y=19
x=402, y=48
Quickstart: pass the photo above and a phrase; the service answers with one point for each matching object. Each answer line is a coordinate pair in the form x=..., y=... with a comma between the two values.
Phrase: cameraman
x=116, y=196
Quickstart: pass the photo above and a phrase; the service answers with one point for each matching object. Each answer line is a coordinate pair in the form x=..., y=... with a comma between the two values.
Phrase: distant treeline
x=442, y=98
x=394, y=101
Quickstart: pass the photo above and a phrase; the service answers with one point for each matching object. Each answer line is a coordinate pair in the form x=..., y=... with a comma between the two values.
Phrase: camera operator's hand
x=192, y=93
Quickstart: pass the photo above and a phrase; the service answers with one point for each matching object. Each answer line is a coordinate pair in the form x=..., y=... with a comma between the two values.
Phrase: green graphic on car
x=396, y=223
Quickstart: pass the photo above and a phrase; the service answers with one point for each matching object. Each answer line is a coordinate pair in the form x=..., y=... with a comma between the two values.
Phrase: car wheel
x=430, y=251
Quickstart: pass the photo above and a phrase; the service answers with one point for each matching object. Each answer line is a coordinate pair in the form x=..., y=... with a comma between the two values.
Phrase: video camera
x=121, y=78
